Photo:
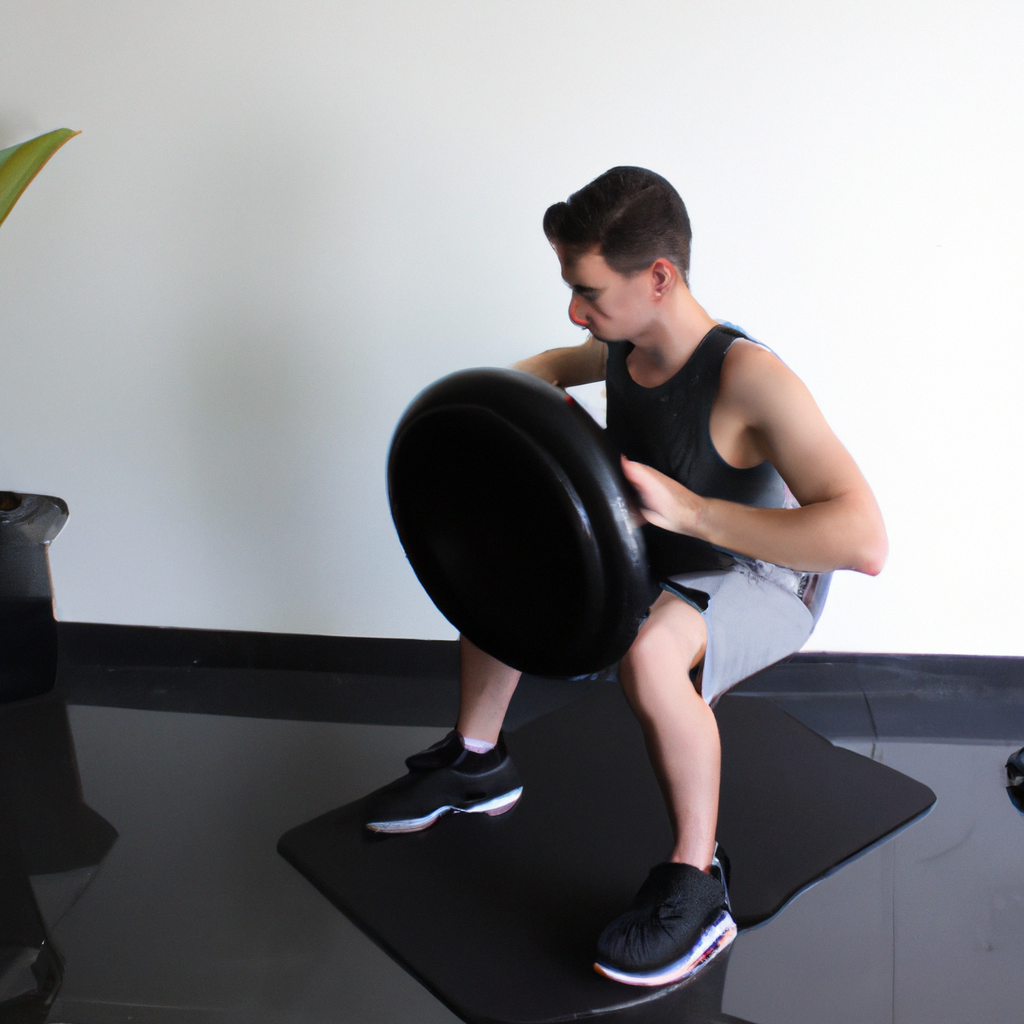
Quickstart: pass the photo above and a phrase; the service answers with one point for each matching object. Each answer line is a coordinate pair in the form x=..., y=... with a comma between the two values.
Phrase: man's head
x=623, y=242
x=630, y=215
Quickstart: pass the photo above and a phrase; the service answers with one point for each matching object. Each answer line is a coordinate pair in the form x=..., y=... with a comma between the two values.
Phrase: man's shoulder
x=750, y=359
x=753, y=375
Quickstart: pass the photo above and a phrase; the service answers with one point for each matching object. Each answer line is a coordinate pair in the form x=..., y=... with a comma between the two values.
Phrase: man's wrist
x=704, y=517
x=696, y=515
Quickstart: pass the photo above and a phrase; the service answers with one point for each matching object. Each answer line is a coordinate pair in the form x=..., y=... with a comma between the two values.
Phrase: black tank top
x=668, y=427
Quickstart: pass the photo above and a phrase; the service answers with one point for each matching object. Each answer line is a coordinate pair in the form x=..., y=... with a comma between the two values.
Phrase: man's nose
x=574, y=312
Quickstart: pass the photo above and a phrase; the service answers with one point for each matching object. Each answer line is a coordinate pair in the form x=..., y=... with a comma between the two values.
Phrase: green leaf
x=20, y=164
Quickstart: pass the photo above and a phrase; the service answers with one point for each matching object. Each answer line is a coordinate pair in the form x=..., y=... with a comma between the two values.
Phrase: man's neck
x=664, y=347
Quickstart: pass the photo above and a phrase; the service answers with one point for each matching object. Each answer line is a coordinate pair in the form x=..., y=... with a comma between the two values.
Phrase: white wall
x=283, y=219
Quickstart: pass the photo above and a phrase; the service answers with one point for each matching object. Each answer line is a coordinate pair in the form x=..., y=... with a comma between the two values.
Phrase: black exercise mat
x=794, y=807
x=498, y=916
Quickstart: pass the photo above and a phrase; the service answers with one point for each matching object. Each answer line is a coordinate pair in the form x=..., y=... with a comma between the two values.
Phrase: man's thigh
x=751, y=623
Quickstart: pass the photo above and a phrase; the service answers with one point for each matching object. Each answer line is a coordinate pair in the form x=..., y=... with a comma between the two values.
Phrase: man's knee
x=672, y=640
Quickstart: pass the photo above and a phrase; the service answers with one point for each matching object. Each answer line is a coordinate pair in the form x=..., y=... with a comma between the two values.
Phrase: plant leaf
x=20, y=164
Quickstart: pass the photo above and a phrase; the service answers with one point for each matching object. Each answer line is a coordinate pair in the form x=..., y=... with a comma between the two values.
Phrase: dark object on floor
x=517, y=519
x=57, y=831
x=30, y=969
x=1015, y=779
x=51, y=844
x=1015, y=768
x=28, y=632
x=499, y=917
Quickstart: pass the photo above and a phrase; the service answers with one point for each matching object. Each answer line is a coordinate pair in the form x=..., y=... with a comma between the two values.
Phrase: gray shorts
x=756, y=614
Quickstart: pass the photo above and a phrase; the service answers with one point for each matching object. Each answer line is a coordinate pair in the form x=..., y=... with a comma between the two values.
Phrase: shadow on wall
x=253, y=453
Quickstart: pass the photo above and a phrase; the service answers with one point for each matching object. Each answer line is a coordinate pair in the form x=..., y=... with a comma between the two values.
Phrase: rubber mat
x=498, y=916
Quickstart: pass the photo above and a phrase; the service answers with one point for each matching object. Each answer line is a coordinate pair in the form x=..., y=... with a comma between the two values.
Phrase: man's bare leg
x=679, y=728
x=680, y=917
x=449, y=776
x=486, y=687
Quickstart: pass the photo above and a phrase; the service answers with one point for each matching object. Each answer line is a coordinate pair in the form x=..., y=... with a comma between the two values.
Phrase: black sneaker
x=446, y=777
x=680, y=920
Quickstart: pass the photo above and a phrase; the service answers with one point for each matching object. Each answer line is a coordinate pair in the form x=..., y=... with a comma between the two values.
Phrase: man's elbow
x=872, y=553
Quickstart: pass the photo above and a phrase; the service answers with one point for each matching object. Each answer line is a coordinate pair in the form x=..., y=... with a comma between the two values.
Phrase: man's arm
x=566, y=367
x=838, y=526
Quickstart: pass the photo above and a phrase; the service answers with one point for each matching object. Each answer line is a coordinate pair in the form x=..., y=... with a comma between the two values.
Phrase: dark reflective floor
x=927, y=928
x=193, y=916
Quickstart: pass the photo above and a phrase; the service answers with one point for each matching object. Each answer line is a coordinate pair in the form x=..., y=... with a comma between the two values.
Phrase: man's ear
x=663, y=276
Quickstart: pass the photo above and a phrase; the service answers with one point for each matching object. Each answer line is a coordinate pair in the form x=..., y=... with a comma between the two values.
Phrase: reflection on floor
x=926, y=929
x=193, y=916
x=51, y=845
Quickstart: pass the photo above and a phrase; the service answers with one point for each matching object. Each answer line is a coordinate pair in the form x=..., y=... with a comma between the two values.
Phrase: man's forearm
x=545, y=365
x=566, y=367
x=845, y=532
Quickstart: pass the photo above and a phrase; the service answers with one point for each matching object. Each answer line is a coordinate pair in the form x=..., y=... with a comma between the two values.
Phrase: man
x=750, y=501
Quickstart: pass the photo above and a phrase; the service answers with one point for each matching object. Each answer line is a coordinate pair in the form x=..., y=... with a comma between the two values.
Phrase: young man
x=750, y=501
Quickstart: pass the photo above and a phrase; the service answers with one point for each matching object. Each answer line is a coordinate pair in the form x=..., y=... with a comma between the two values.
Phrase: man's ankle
x=477, y=746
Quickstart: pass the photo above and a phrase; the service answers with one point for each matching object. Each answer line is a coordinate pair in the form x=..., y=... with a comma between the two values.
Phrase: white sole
x=716, y=937
x=498, y=805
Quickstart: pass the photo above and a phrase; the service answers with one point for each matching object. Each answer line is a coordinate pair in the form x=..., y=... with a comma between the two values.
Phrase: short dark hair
x=633, y=215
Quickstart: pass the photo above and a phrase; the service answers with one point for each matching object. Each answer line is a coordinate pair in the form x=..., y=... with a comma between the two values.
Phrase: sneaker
x=446, y=777
x=679, y=921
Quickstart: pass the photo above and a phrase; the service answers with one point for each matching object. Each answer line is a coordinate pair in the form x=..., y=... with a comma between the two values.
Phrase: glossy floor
x=200, y=749
x=194, y=917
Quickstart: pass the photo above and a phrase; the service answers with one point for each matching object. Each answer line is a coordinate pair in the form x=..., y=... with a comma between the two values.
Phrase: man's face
x=611, y=306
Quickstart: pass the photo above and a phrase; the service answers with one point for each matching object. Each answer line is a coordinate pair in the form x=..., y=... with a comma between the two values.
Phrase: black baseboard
x=115, y=646
x=112, y=646
x=415, y=682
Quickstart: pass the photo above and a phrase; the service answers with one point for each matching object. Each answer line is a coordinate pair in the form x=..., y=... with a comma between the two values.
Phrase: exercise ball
x=517, y=519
